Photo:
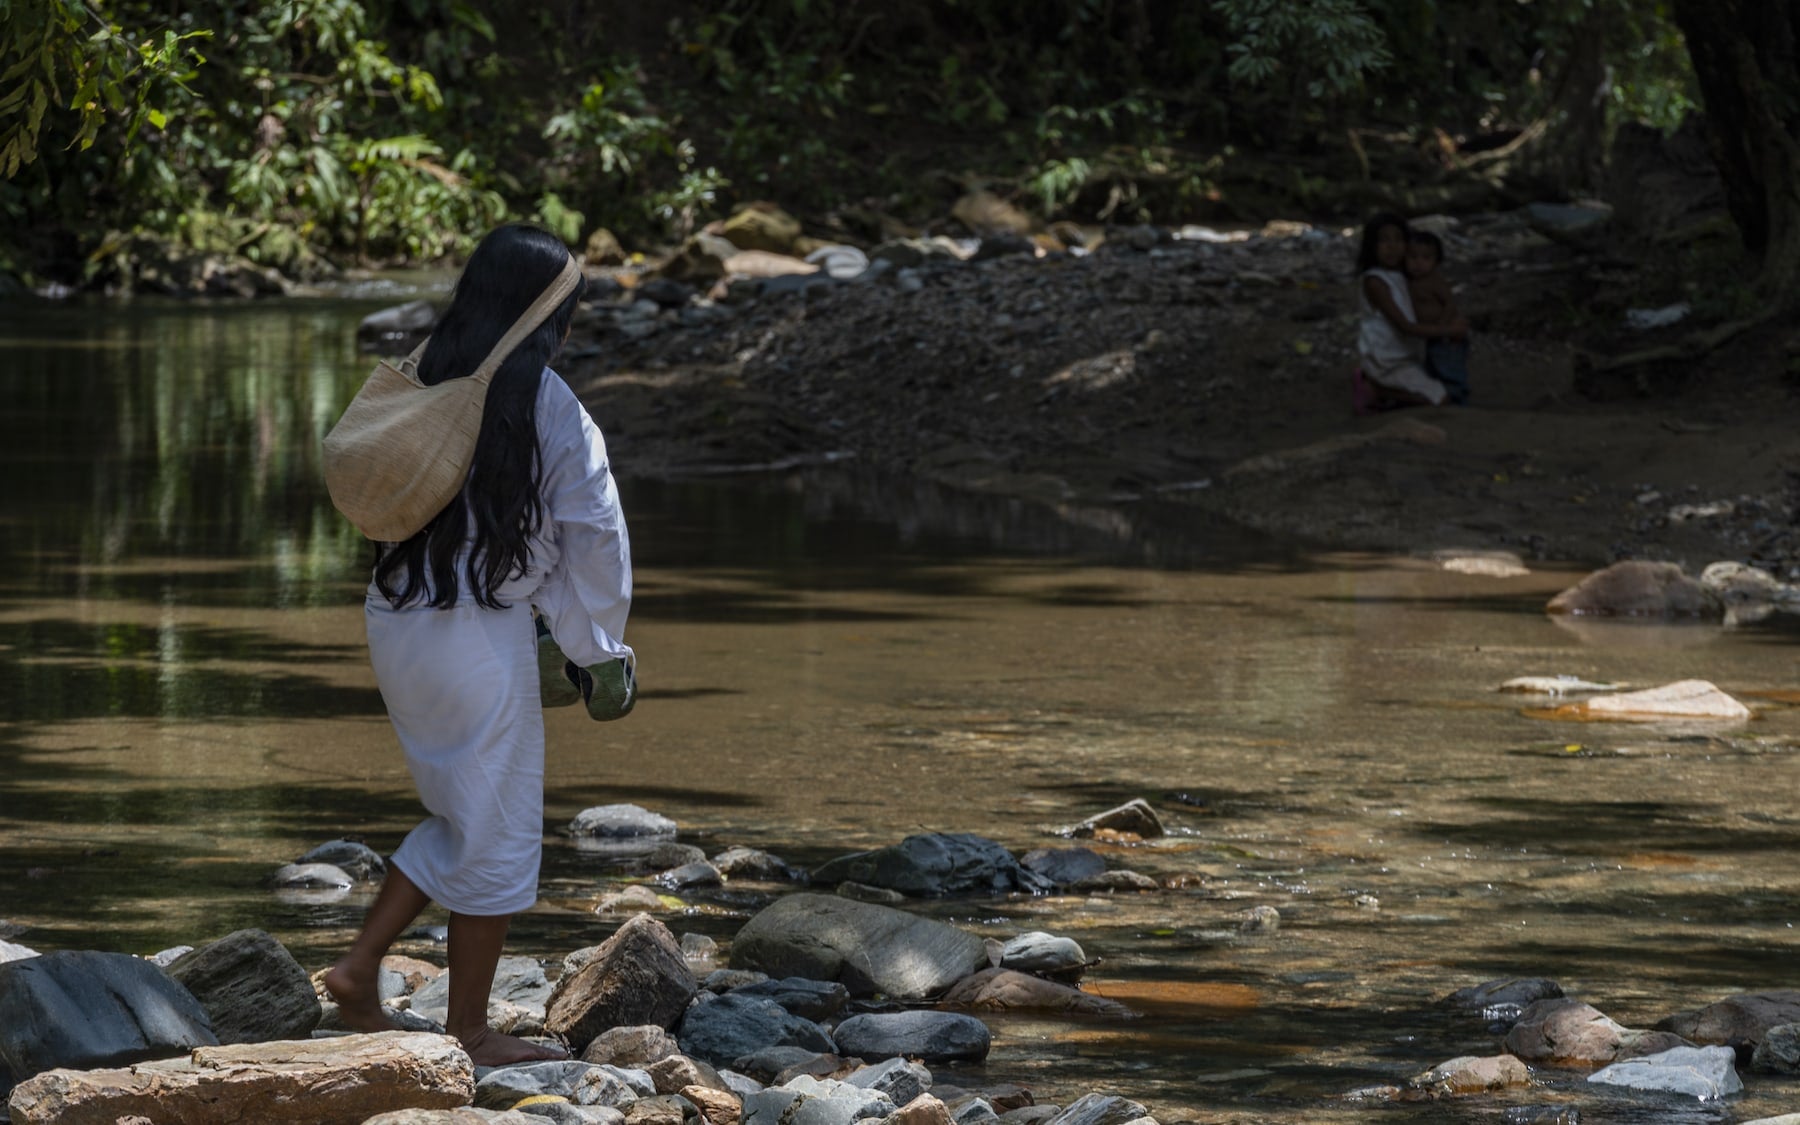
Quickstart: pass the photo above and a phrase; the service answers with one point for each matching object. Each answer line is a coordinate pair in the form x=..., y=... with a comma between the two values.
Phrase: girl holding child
x=1392, y=335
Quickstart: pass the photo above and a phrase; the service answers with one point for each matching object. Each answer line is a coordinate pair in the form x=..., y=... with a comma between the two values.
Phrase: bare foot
x=488, y=1047
x=358, y=997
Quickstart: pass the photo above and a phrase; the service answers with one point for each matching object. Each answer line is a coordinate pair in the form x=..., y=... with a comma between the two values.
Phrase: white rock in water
x=1554, y=685
x=1487, y=564
x=1684, y=699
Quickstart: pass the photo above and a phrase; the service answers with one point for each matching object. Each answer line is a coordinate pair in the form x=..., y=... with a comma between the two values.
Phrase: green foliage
x=1311, y=48
x=401, y=129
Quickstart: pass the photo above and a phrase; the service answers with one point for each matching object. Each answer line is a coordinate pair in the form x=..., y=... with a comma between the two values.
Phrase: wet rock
x=581, y=1083
x=758, y=866
x=1486, y=564
x=1473, y=1075
x=701, y=874
x=1030, y=1114
x=730, y=1028
x=1007, y=990
x=1134, y=817
x=1100, y=1109
x=809, y=999
x=251, y=987
x=666, y=293
x=637, y=1045
x=313, y=876
x=1738, y=585
x=635, y=899
x=1554, y=685
x=1063, y=866
x=82, y=1009
x=638, y=976
x=862, y=892
x=1685, y=699
x=1639, y=589
x=764, y=1063
x=698, y=947
x=1045, y=954
x=340, y=1081
x=353, y=858
x=669, y=855
x=1779, y=1050
x=516, y=1002
x=1737, y=1021
x=928, y=1036
x=1260, y=920
x=402, y=324
x=869, y=949
x=1520, y=991
x=1565, y=1031
x=1109, y=881
x=1705, y=1073
x=936, y=863
x=901, y=1080
x=724, y=980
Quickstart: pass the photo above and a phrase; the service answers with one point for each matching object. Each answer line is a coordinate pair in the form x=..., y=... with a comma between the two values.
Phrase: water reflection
x=833, y=662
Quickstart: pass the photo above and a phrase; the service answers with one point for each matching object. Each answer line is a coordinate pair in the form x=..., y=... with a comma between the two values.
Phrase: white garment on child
x=461, y=685
x=1389, y=357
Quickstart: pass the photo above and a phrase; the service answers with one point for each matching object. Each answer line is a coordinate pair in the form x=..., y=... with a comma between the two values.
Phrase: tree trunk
x=1746, y=56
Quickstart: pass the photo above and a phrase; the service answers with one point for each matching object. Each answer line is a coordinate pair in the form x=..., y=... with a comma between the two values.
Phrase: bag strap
x=527, y=323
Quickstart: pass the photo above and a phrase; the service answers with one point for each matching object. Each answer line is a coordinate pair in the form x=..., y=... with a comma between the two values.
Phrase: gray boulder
x=870, y=949
x=900, y=1079
x=397, y=324
x=637, y=976
x=357, y=860
x=930, y=1036
x=1045, y=954
x=1737, y=1021
x=1779, y=1051
x=613, y=822
x=763, y=1064
x=1639, y=589
x=631, y=1046
x=734, y=1026
x=809, y=999
x=85, y=1010
x=936, y=863
x=1705, y=1073
x=1135, y=817
x=251, y=987
x=757, y=866
x=581, y=1083
x=1063, y=866
x=313, y=876
x=516, y=1001
x=1100, y=1109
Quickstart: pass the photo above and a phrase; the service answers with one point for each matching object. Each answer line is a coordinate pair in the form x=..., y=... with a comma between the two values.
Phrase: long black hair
x=1365, y=257
x=511, y=267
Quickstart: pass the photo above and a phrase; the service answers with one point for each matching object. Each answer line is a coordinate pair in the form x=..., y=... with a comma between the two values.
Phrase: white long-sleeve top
x=578, y=572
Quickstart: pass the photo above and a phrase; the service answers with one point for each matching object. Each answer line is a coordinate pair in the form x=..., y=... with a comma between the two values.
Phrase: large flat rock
x=870, y=949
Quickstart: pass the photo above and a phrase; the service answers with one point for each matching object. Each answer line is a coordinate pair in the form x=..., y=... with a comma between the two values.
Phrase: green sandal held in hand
x=609, y=689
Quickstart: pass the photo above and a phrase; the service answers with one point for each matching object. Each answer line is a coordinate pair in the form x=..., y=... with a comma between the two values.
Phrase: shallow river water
x=832, y=663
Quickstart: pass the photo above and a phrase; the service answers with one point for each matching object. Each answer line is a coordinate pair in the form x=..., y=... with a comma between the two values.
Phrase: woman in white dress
x=454, y=645
x=1389, y=340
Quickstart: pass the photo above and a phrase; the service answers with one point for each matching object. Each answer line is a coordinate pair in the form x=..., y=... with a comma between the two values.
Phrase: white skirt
x=461, y=688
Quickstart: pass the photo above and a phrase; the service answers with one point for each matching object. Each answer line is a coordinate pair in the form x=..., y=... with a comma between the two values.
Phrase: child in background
x=1446, y=358
x=1389, y=340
